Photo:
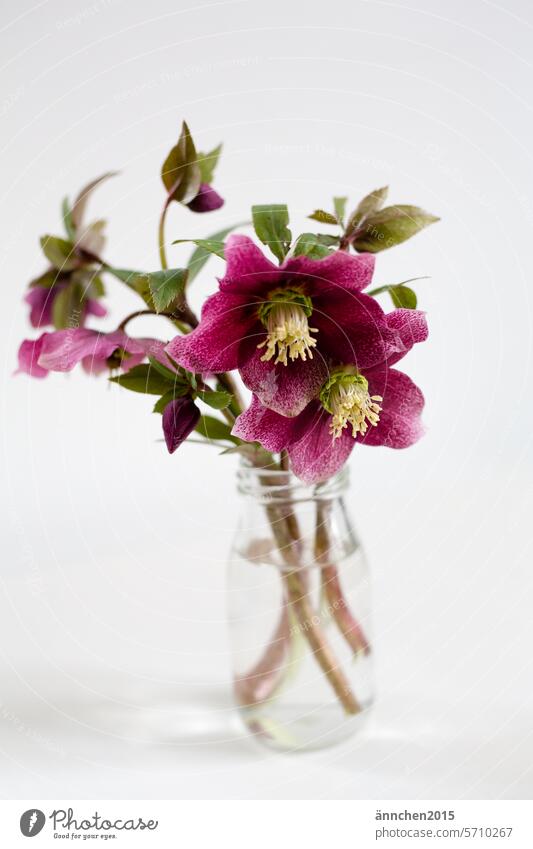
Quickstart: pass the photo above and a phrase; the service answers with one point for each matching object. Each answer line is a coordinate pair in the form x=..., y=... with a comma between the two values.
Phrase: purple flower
x=381, y=407
x=282, y=326
x=180, y=417
x=97, y=352
x=207, y=200
x=41, y=301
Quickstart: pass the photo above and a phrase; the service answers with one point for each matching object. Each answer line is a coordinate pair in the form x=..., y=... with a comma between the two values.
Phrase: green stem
x=161, y=233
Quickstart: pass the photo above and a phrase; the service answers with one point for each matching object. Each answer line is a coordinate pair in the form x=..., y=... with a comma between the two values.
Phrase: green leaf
x=171, y=376
x=309, y=244
x=212, y=246
x=46, y=280
x=207, y=162
x=339, y=204
x=181, y=173
x=199, y=257
x=137, y=281
x=166, y=286
x=271, y=226
x=80, y=204
x=216, y=399
x=323, y=216
x=59, y=252
x=67, y=219
x=143, y=379
x=391, y=226
x=213, y=428
x=370, y=204
x=403, y=296
x=67, y=307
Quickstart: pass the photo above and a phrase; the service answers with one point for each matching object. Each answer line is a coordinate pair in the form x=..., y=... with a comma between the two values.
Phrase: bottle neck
x=275, y=486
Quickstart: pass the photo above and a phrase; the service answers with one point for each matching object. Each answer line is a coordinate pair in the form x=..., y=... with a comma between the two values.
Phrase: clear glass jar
x=299, y=612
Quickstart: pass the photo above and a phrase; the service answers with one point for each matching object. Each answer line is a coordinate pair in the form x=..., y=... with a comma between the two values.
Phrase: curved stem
x=161, y=233
x=131, y=316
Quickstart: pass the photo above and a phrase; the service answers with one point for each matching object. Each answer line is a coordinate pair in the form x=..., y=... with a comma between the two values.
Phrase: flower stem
x=161, y=232
x=346, y=622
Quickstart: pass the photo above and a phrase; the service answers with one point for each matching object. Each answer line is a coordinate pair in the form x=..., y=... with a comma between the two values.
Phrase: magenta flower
x=41, y=301
x=97, y=352
x=381, y=407
x=207, y=200
x=180, y=417
x=282, y=326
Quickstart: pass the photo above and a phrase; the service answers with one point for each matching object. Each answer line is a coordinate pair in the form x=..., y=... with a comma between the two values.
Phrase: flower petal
x=41, y=301
x=399, y=424
x=411, y=326
x=285, y=389
x=247, y=268
x=180, y=417
x=274, y=432
x=318, y=455
x=339, y=270
x=206, y=200
x=215, y=345
x=352, y=328
x=28, y=356
x=63, y=349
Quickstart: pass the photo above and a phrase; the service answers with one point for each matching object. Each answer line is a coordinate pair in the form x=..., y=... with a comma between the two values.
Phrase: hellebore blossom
x=380, y=407
x=281, y=326
x=97, y=352
x=207, y=200
x=41, y=302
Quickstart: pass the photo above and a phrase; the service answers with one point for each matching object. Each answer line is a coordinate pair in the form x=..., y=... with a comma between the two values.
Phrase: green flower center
x=285, y=315
x=345, y=396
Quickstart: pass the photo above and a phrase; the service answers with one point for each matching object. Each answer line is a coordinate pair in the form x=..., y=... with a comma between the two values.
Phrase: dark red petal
x=400, y=424
x=285, y=389
x=411, y=326
x=318, y=456
x=247, y=268
x=274, y=432
x=207, y=200
x=338, y=271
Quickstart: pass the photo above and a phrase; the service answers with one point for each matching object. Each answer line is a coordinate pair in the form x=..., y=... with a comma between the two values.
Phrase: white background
x=113, y=649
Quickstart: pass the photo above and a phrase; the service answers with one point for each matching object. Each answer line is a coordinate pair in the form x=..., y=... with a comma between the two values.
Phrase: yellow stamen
x=345, y=396
x=288, y=334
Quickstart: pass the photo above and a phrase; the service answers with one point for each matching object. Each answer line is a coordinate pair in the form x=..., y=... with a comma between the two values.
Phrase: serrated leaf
x=207, y=162
x=392, y=226
x=143, y=378
x=80, y=204
x=271, y=226
x=59, y=252
x=171, y=376
x=218, y=400
x=403, y=296
x=308, y=244
x=370, y=204
x=323, y=216
x=181, y=173
x=46, y=280
x=199, y=257
x=166, y=286
x=212, y=428
x=212, y=246
x=339, y=204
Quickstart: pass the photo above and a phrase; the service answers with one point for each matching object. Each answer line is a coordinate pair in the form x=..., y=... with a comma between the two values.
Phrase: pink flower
x=281, y=326
x=41, y=301
x=207, y=200
x=381, y=407
x=97, y=352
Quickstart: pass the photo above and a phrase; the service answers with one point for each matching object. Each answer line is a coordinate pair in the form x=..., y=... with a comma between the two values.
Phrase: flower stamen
x=345, y=396
x=285, y=316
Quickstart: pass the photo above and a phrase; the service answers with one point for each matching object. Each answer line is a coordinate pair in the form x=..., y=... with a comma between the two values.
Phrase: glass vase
x=299, y=612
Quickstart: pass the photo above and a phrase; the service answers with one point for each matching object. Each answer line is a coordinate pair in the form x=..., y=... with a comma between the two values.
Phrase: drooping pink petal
x=180, y=417
x=285, y=389
x=400, y=422
x=317, y=455
x=206, y=200
x=41, y=301
x=338, y=271
x=274, y=432
x=94, y=307
x=215, y=345
x=28, y=356
x=411, y=326
x=63, y=349
x=352, y=328
x=247, y=268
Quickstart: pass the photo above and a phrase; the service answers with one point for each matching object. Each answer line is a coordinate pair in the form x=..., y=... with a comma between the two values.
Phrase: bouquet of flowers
x=301, y=329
